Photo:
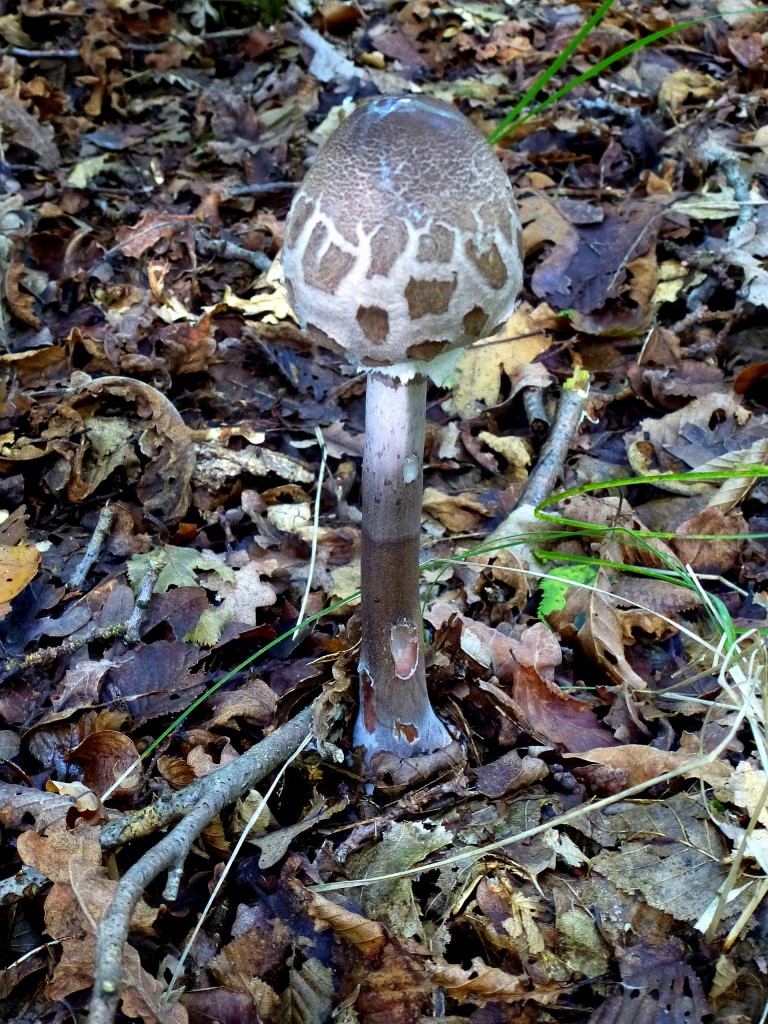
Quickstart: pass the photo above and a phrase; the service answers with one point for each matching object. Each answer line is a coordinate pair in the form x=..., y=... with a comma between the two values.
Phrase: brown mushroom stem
x=395, y=713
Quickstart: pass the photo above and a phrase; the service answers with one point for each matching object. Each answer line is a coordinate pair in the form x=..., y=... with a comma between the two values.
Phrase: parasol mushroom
x=402, y=246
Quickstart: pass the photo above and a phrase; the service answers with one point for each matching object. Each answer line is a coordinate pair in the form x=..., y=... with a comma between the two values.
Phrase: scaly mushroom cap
x=404, y=239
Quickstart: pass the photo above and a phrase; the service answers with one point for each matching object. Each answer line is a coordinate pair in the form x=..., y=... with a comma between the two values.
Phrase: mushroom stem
x=395, y=713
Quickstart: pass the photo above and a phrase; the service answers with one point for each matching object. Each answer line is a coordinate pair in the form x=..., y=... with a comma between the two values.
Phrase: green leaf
x=207, y=631
x=180, y=567
x=555, y=591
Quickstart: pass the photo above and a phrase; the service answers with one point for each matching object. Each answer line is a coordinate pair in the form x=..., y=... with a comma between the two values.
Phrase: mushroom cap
x=404, y=240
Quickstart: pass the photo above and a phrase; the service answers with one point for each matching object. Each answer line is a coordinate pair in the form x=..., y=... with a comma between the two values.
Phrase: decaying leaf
x=149, y=442
x=459, y=513
x=403, y=846
x=478, y=373
x=746, y=787
x=368, y=937
x=244, y=962
x=580, y=944
x=673, y=855
x=640, y=763
x=546, y=711
x=18, y=567
x=309, y=996
x=683, y=86
x=179, y=567
x=591, y=618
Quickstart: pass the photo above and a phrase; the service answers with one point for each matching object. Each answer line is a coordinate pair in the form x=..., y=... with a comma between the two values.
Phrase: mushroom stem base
x=395, y=713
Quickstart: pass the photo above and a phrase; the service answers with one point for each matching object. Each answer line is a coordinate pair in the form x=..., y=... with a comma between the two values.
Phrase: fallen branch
x=570, y=412
x=227, y=250
x=96, y=543
x=522, y=520
x=211, y=794
x=47, y=655
x=536, y=414
x=129, y=629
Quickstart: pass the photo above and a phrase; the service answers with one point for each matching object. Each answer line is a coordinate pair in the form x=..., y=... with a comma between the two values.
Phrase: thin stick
x=536, y=414
x=171, y=992
x=96, y=543
x=315, y=521
x=570, y=412
x=262, y=189
x=46, y=655
x=220, y=788
x=132, y=631
x=227, y=250
x=21, y=51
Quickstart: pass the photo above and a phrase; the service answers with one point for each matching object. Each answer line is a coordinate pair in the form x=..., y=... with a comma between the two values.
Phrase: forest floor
x=602, y=855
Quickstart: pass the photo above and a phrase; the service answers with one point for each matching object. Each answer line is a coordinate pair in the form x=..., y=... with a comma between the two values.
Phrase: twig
x=213, y=793
x=173, y=881
x=700, y=315
x=533, y=403
x=264, y=189
x=96, y=543
x=522, y=519
x=171, y=991
x=734, y=170
x=327, y=63
x=20, y=51
x=166, y=810
x=228, y=33
x=315, y=522
x=37, y=949
x=570, y=411
x=142, y=601
x=128, y=630
x=230, y=251
x=50, y=654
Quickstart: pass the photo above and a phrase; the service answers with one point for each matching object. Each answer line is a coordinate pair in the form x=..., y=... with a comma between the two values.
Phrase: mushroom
x=402, y=246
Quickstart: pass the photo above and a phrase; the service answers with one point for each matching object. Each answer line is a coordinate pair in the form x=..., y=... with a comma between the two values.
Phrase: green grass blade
x=232, y=673
x=552, y=69
x=696, y=476
x=513, y=118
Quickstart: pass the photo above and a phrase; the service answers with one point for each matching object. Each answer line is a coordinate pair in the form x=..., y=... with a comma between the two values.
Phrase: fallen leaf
x=477, y=377
x=18, y=567
x=641, y=763
x=545, y=710
x=458, y=513
x=684, y=85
